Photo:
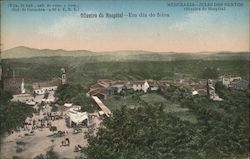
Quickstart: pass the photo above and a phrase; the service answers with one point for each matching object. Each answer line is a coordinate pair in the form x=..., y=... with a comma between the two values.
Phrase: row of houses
x=104, y=88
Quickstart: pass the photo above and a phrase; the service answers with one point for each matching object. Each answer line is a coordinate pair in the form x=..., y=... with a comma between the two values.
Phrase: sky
x=181, y=31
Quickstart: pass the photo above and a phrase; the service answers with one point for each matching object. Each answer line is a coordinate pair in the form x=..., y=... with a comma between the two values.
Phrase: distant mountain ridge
x=125, y=55
x=26, y=52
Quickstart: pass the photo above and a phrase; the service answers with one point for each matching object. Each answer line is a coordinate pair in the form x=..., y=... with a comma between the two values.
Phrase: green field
x=116, y=102
x=153, y=98
x=169, y=107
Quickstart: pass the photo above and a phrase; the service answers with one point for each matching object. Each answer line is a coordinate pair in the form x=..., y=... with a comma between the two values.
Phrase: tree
x=12, y=114
x=5, y=96
x=46, y=95
x=210, y=73
x=221, y=130
x=53, y=128
x=49, y=155
x=145, y=132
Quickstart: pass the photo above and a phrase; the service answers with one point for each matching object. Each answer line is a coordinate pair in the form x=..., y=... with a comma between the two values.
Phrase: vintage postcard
x=135, y=79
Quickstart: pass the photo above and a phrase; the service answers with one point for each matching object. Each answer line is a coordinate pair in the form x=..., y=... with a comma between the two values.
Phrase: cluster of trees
x=74, y=93
x=148, y=132
x=176, y=94
x=51, y=154
x=144, y=132
x=223, y=126
x=12, y=114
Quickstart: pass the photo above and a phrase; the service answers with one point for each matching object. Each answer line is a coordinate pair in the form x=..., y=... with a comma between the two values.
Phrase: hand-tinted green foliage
x=223, y=126
x=210, y=73
x=176, y=94
x=54, y=107
x=68, y=93
x=148, y=132
x=53, y=128
x=49, y=155
x=142, y=133
x=12, y=114
x=75, y=94
x=5, y=96
x=46, y=95
x=220, y=87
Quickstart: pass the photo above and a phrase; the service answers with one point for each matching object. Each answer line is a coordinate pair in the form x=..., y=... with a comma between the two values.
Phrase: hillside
x=26, y=52
x=126, y=55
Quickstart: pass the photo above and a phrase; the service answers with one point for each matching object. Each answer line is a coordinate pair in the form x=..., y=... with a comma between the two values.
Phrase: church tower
x=64, y=77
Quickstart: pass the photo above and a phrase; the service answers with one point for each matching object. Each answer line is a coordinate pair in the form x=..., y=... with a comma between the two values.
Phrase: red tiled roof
x=235, y=80
x=119, y=82
x=196, y=87
x=51, y=83
x=138, y=82
x=152, y=83
x=96, y=86
x=13, y=80
x=165, y=82
x=97, y=91
x=104, y=80
x=104, y=83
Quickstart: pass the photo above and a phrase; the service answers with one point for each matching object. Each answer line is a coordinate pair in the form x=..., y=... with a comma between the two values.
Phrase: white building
x=153, y=85
x=228, y=80
x=43, y=87
x=75, y=117
x=140, y=86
